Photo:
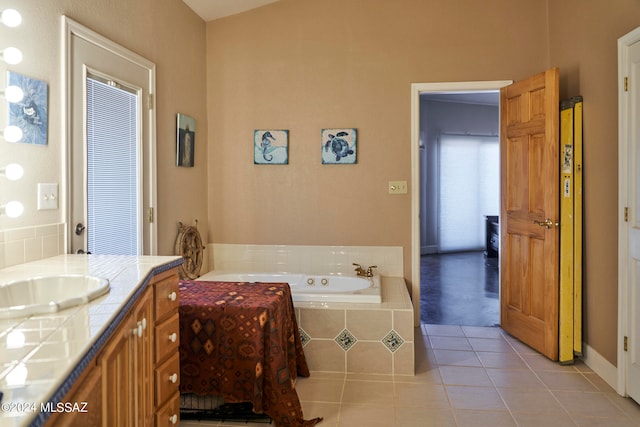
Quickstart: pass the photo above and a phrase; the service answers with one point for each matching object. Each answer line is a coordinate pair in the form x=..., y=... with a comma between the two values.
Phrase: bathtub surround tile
x=404, y=360
x=326, y=356
x=369, y=324
x=322, y=323
x=304, y=337
x=339, y=333
x=372, y=325
x=403, y=323
x=346, y=340
x=305, y=259
x=393, y=341
x=370, y=358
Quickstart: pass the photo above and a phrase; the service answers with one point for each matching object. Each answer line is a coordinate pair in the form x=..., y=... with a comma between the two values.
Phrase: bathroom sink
x=48, y=294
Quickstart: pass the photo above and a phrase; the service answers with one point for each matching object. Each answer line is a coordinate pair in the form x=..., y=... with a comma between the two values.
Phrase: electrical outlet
x=47, y=196
x=397, y=187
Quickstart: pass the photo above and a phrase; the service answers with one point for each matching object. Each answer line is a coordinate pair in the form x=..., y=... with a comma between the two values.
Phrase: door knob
x=79, y=228
x=547, y=223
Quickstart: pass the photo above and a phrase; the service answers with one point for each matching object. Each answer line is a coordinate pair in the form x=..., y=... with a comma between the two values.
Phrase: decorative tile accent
x=392, y=341
x=346, y=340
x=304, y=337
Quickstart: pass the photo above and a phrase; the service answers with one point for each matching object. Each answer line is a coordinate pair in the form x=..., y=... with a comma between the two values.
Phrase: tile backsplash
x=20, y=245
x=304, y=259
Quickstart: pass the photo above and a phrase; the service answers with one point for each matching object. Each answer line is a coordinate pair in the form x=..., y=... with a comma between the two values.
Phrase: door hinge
x=626, y=84
x=626, y=214
x=150, y=101
x=626, y=344
x=150, y=215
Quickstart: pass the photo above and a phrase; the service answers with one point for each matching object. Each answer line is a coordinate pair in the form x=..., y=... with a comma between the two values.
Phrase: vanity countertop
x=41, y=355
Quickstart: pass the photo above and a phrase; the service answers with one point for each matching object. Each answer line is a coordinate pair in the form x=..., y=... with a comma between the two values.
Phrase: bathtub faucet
x=361, y=271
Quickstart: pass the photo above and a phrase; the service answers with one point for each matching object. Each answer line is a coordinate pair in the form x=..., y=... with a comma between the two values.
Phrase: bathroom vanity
x=111, y=361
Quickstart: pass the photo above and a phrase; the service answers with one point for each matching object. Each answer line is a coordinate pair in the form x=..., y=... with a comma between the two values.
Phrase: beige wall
x=308, y=65
x=167, y=33
x=584, y=38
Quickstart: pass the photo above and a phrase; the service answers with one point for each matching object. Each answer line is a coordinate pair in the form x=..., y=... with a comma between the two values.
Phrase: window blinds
x=469, y=189
x=112, y=169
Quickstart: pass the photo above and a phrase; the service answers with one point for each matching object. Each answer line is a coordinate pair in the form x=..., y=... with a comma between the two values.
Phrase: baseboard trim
x=601, y=366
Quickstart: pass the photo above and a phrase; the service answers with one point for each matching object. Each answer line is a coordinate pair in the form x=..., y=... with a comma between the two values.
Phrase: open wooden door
x=529, y=233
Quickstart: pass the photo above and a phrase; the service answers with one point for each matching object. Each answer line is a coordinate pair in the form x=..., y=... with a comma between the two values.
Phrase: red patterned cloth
x=241, y=341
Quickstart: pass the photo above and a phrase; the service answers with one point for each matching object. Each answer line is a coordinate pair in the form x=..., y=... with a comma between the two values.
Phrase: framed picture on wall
x=185, y=140
x=271, y=147
x=339, y=146
x=29, y=113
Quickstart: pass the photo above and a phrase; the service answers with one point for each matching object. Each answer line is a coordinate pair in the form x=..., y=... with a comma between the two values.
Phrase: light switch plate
x=397, y=187
x=47, y=196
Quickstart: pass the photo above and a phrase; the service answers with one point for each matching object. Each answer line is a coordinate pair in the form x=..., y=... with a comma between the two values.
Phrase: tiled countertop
x=42, y=355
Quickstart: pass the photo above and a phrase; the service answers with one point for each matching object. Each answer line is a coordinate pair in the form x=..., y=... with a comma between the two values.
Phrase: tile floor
x=465, y=376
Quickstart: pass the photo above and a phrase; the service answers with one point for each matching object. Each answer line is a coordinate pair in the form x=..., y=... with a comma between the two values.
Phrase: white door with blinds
x=468, y=190
x=113, y=163
x=111, y=147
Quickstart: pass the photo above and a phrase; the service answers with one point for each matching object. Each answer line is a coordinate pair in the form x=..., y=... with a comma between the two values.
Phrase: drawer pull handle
x=172, y=296
x=144, y=324
x=173, y=419
x=173, y=378
x=137, y=331
x=173, y=337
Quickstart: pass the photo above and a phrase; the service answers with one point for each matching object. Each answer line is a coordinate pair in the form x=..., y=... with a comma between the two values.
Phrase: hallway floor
x=465, y=376
x=459, y=289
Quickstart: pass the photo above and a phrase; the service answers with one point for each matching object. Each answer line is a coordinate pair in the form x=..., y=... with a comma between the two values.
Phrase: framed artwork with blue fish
x=339, y=146
x=271, y=147
x=186, y=139
x=30, y=113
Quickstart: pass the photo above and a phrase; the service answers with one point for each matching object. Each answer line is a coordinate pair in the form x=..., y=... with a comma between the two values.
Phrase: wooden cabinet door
x=143, y=360
x=117, y=377
x=127, y=369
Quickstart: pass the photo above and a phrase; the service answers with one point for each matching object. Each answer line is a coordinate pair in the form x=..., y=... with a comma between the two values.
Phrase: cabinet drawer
x=167, y=379
x=167, y=337
x=166, y=297
x=169, y=413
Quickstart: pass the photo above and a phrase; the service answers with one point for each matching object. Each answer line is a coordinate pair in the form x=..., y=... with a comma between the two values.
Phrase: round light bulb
x=13, y=209
x=13, y=171
x=12, y=55
x=12, y=133
x=13, y=93
x=11, y=17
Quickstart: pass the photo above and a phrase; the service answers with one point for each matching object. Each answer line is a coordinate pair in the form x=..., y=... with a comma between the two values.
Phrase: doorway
x=460, y=204
x=110, y=135
x=460, y=89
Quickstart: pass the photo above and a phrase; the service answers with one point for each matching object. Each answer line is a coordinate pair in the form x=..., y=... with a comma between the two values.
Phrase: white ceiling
x=214, y=9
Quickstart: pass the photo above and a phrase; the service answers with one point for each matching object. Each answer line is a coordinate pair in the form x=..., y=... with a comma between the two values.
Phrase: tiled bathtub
x=360, y=338
x=339, y=337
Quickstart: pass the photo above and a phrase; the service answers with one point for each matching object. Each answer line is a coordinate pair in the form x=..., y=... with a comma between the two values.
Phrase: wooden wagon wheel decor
x=189, y=247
